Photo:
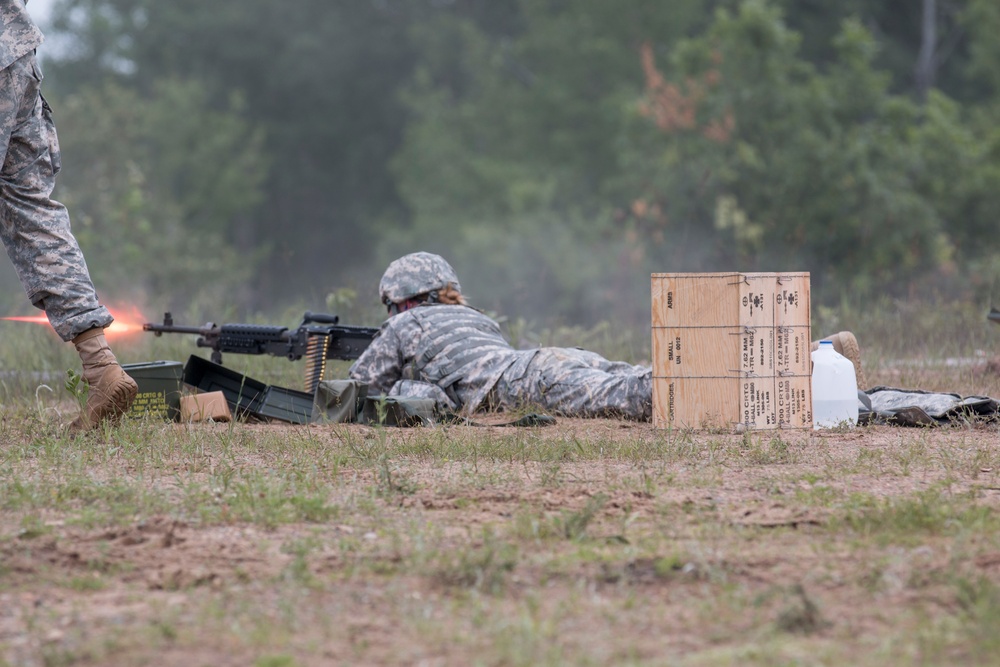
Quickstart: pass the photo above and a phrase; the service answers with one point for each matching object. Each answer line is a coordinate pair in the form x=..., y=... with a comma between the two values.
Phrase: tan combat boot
x=111, y=389
x=847, y=345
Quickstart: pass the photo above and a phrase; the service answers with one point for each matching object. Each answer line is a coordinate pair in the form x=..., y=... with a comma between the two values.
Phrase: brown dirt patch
x=592, y=541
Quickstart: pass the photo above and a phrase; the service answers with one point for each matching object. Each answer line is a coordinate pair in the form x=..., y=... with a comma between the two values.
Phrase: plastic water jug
x=834, y=388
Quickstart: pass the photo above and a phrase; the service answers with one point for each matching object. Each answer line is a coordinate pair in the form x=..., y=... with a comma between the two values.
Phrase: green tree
x=814, y=169
x=158, y=189
x=631, y=149
x=556, y=152
x=513, y=143
x=319, y=77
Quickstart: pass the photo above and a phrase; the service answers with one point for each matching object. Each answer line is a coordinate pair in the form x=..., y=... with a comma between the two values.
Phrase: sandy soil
x=707, y=548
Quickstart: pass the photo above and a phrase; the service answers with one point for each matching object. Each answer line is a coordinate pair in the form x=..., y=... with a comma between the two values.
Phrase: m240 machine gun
x=318, y=338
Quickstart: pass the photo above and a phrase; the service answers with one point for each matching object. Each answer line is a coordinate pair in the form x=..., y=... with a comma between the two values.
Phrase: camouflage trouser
x=34, y=228
x=577, y=383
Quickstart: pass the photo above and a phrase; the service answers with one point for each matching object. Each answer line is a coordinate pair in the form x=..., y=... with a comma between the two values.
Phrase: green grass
x=455, y=545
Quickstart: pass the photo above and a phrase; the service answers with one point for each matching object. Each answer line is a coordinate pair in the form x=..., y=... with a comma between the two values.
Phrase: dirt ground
x=588, y=542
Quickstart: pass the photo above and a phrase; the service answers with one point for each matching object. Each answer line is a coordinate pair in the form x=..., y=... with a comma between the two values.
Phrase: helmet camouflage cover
x=413, y=274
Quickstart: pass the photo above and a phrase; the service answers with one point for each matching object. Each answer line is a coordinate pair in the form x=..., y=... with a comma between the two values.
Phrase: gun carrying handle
x=319, y=318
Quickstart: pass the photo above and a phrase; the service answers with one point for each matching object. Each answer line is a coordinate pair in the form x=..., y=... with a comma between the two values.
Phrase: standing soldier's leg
x=36, y=233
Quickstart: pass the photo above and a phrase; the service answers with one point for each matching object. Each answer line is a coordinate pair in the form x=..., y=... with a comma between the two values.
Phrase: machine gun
x=318, y=338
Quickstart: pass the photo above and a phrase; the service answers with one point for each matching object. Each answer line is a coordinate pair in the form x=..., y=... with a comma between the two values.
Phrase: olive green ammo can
x=159, y=394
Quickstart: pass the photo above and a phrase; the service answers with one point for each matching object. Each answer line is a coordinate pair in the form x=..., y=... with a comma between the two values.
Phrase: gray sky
x=39, y=10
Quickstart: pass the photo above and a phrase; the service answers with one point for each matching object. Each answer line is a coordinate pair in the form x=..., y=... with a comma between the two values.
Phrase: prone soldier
x=436, y=346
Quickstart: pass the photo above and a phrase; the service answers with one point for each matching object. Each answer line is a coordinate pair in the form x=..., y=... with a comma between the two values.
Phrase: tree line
x=556, y=151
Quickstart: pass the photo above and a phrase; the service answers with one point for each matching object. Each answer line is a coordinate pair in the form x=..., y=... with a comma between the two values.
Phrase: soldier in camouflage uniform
x=435, y=346
x=35, y=229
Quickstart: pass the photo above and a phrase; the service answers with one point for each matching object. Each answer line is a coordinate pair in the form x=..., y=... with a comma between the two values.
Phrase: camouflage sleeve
x=381, y=365
x=19, y=35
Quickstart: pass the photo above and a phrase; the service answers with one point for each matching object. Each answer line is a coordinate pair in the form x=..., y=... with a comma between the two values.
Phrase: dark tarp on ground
x=914, y=407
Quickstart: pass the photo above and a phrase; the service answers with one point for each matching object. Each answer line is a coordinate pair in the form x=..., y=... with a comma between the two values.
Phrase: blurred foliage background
x=241, y=157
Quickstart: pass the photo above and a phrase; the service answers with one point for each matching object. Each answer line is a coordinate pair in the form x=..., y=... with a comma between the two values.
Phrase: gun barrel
x=994, y=315
x=160, y=329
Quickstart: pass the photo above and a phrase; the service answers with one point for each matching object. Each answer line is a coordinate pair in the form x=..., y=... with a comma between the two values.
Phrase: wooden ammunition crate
x=731, y=351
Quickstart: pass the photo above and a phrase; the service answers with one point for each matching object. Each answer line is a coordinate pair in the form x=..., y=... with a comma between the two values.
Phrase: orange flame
x=36, y=319
x=128, y=321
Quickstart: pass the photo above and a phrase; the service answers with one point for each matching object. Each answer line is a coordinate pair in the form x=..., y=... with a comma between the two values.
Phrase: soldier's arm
x=381, y=365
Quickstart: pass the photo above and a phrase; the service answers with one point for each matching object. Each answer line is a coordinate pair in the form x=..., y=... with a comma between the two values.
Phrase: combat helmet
x=415, y=274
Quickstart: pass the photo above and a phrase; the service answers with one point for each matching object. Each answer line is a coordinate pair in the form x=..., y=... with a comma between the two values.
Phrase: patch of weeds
x=906, y=519
x=368, y=450
x=77, y=388
x=15, y=494
x=390, y=482
x=54, y=655
x=571, y=450
x=484, y=568
x=637, y=450
x=818, y=496
x=873, y=579
x=719, y=450
x=979, y=604
x=714, y=424
x=115, y=499
x=530, y=636
x=644, y=571
x=313, y=509
x=800, y=613
x=275, y=661
x=667, y=566
x=264, y=497
x=91, y=582
x=531, y=526
x=649, y=481
x=843, y=427
x=574, y=525
x=550, y=476
x=913, y=452
x=32, y=526
x=165, y=630
x=298, y=570
x=810, y=478
x=777, y=450
x=259, y=499
x=381, y=410
x=682, y=447
x=365, y=505
x=568, y=525
x=871, y=459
